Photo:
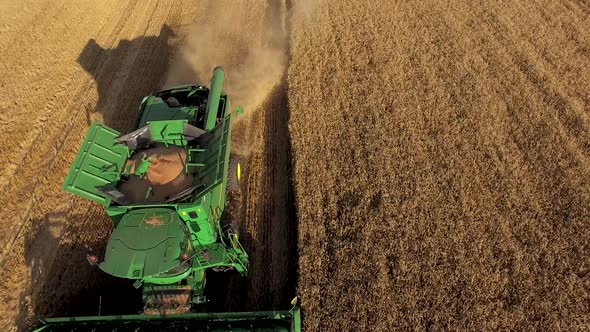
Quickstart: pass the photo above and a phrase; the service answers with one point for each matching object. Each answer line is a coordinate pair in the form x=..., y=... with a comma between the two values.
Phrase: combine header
x=164, y=186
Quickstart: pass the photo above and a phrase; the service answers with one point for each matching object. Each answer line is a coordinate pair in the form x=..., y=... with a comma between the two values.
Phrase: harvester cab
x=164, y=186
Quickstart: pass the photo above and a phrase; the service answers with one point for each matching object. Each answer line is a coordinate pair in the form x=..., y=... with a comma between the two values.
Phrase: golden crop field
x=442, y=174
x=408, y=165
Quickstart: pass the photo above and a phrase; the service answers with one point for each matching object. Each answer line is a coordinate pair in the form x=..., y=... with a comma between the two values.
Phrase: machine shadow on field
x=127, y=73
x=56, y=247
x=66, y=283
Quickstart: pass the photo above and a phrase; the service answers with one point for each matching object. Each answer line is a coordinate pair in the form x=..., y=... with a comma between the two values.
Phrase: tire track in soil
x=274, y=266
x=266, y=213
x=276, y=274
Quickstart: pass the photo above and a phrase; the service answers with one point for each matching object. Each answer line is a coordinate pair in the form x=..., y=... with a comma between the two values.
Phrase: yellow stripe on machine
x=239, y=172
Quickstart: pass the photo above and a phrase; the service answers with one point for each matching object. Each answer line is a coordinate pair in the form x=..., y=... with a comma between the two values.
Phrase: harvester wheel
x=229, y=227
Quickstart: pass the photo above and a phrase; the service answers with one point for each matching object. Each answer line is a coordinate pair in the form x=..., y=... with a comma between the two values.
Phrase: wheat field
x=441, y=163
x=408, y=165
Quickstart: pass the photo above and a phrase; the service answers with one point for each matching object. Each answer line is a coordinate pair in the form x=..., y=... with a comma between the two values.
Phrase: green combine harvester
x=164, y=186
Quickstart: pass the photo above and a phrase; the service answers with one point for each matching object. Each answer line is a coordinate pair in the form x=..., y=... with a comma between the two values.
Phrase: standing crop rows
x=441, y=156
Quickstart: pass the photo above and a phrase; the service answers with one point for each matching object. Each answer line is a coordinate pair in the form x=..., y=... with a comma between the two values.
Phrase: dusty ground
x=442, y=169
x=66, y=63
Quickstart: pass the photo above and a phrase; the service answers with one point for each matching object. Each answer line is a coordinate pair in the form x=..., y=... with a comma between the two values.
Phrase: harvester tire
x=229, y=226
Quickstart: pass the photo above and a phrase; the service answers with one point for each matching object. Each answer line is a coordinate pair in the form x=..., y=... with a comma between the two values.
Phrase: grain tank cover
x=98, y=164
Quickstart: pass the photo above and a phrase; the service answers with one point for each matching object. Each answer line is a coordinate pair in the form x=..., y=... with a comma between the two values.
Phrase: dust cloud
x=246, y=40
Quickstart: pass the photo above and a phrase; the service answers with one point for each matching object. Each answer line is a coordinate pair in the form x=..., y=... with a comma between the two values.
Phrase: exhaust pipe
x=214, y=96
